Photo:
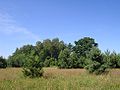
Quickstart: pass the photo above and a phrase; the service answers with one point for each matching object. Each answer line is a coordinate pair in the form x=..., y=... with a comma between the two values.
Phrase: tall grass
x=59, y=79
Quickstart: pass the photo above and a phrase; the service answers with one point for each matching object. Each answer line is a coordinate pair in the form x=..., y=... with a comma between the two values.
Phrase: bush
x=33, y=67
x=95, y=62
x=3, y=63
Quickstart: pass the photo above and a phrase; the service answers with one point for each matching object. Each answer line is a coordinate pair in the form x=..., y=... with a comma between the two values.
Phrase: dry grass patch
x=10, y=73
x=59, y=79
x=52, y=72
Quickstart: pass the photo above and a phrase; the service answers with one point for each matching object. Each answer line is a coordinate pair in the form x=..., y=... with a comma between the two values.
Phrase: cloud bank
x=13, y=35
x=9, y=26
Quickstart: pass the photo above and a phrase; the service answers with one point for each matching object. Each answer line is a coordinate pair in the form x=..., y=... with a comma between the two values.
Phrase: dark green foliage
x=84, y=45
x=33, y=67
x=47, y=48
x=81, y=62
x=20, y=55
x=118, y=61
x=63, y=59
x=82, y=48
x=49, y=51
x=112, y=59
x=95, y=62
x=16, y=60
x=3, y=63
x=84, y=53
x=49, y=62
x=69, y=59
x=73, y=59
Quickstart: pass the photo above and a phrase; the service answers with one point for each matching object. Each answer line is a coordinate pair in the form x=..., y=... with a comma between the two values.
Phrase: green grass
x=59, y=79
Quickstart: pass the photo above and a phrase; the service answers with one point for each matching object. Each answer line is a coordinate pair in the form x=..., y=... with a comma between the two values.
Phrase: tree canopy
x=84, y=53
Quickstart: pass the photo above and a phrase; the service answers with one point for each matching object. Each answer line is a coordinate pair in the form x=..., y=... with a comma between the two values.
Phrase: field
x=59, y=79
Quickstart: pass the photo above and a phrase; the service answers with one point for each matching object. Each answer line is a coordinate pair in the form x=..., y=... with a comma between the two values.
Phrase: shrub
x=95, y=62
x=33, y=67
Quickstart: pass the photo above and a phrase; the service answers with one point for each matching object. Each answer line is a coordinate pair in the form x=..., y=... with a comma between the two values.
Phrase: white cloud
x=9, y=26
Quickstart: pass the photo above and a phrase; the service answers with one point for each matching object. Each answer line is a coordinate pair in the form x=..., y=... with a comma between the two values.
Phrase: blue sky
x=27, y=21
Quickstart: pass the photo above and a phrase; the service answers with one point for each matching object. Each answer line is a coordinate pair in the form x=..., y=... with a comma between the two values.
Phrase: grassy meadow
x=59, y=79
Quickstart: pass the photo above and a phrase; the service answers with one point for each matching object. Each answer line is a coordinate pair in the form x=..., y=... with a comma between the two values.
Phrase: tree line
x=84, y=53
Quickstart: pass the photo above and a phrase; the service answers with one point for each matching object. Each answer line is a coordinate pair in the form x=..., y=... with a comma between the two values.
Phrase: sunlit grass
x=59, y=79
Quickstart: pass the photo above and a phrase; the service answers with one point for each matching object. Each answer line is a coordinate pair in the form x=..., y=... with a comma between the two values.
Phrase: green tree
x=64, y=59
x=84, y=45
x=20, y=55
x=118, y=61
x=82, y=48
x=95, y=62
x=3, y=63
x=57, y=46
x=112, y=59
x=51, y=49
